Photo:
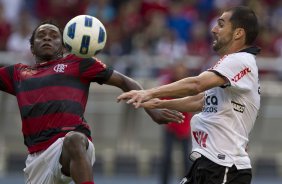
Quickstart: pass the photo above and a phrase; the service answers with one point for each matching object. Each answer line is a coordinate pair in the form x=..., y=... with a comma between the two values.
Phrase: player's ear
x=239, y=33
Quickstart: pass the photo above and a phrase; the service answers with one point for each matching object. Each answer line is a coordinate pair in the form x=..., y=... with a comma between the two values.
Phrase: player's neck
x=41, y=60
x=233, y=49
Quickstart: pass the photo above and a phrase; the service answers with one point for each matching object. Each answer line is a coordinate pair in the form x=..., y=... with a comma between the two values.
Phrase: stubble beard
x=220, y=46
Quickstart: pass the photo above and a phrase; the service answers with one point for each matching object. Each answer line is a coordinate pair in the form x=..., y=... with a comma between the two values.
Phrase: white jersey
x=220, y=132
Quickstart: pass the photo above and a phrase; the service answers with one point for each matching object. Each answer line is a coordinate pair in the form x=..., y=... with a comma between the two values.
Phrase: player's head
x=46, y=42
x=237, y=24
x=245, y=18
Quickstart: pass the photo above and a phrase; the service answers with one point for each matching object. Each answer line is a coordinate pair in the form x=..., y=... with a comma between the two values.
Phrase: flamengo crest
x=60, y=68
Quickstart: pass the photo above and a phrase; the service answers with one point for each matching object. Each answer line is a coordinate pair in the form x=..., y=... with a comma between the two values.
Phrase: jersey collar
x=252, y=50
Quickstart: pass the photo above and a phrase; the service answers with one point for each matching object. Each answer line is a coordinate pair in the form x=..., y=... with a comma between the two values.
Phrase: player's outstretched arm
x=189, y=86
x=164, y=116
x=186, y=104
x=160, y=116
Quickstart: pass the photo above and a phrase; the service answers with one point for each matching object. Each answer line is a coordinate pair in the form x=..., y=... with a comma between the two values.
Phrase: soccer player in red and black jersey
x=52, y=96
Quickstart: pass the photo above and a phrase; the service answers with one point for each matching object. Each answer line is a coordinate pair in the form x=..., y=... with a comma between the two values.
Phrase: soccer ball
x=84, y=36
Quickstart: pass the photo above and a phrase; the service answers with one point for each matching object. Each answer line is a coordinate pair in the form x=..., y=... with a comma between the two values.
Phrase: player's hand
x=164, y=116
x=135, y=97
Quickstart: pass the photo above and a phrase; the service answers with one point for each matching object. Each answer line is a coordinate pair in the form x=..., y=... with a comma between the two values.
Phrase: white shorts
x=44, y=167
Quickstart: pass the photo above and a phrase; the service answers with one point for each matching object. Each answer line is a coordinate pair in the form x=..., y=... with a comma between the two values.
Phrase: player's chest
x=56, y=69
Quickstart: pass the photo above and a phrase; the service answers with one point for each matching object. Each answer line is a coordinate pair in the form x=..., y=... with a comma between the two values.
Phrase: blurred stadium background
x=145, y=39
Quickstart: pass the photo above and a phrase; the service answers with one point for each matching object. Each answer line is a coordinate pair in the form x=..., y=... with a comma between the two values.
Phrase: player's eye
x=40, y=35
x=55, y=35
x=220, y=23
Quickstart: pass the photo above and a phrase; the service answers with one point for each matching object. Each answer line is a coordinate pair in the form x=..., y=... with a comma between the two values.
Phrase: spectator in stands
x=60, y=10
x=178, y=22
x=266, y=42
x=149, y=7
x=129, y=21
x=18, y=42
x=5, y=29
x=12, y=10
x=101, y=9
x=199, y=45
x=175, y=134
x=170, y=46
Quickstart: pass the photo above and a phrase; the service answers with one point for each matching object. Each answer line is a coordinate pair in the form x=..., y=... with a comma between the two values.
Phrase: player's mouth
x=215, y=39
x=46, y=45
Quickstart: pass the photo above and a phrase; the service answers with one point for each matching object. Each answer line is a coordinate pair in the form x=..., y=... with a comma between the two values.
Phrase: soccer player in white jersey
x=227, y=97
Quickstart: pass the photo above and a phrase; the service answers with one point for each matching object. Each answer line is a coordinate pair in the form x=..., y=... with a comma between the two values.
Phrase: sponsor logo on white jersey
x=221, y=156
x=201, y=138
x=211, y=103
x=241, y=74
x=238, y=107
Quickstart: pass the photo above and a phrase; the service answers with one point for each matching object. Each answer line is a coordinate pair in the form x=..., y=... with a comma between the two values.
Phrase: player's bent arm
x=188, y=86
x=126, y=84
x=123, y=82
x=186, y=104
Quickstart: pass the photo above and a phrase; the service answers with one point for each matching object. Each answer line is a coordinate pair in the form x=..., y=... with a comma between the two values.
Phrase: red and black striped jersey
x=52, y=96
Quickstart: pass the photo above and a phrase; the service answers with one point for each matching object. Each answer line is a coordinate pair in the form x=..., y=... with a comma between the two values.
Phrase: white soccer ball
x=84, y=36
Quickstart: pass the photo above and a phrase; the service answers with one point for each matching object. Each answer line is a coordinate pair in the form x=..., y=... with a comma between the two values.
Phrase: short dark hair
x=31, y=40
x=244, y=17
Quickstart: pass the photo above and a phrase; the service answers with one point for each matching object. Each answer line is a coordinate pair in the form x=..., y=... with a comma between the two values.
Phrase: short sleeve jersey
x=220, y=132
x=52, y=96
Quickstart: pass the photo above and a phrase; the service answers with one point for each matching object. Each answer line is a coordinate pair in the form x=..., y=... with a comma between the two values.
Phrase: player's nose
x=214, y=29
x=47, y=37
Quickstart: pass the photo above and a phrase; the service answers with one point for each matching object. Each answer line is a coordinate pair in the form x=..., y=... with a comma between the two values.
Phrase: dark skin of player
x=48, y=46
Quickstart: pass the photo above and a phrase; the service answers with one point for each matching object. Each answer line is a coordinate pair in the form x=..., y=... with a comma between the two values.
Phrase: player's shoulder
x=241, y=54
x=237, y=55
x=247, y=53
x=240, y=57
x=19, y=66
x=236, y=60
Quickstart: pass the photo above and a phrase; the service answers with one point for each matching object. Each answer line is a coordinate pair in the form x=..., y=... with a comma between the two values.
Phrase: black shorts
x=204, y=171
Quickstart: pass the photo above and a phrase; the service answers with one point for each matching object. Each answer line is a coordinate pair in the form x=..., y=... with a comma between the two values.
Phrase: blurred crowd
x=170, y=28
